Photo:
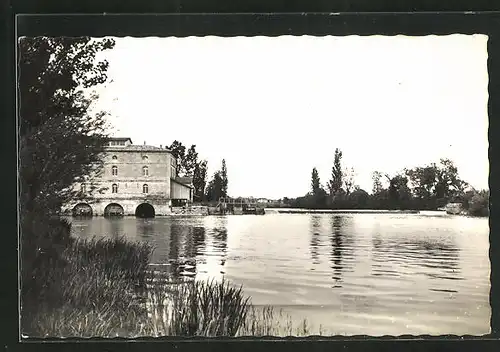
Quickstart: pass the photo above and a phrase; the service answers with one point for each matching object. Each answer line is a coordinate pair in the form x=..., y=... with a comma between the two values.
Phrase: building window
x=144, y=157
x=145, y=188
x=114, y=188
x=112, y=143
x=145, y=171
x=114, y=170
x=114, y=157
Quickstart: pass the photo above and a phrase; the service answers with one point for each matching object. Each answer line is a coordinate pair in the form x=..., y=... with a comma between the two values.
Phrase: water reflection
x=145, y=229
x=315, y=229
x=199, y=240
x=116, y=227
x=177, y=242
x=191, y=246
x=186, y=242
x=342, y=248
x=220, y=242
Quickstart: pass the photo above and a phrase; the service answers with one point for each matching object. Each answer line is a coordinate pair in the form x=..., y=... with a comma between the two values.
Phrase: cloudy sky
x=274, y=108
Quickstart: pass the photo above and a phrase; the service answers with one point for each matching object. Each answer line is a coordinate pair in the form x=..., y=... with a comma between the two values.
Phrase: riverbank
x=339, y=211
x=372, y=211
x=105, y=288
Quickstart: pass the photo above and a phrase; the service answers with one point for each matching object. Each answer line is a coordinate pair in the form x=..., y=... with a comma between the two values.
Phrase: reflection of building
x=137, y=180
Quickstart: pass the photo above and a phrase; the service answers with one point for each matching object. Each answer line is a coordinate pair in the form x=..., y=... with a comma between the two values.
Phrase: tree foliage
x=224, y=180
x=317, y=198
x=190, y=161
x=349, y=183
x=336, y=181
x=189, y=165
x=359, y=198
x=434, y=185
x=200, y=180
x=423, y=181
x=377, y=183
x=214, y=187
x=399, y=192
x=477, y=203
x=427, y=187
x=179, y=152
x=315, y=182
x=218, y=185
x=60, y=142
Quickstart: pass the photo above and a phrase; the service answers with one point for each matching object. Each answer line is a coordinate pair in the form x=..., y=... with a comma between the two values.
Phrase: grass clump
x=266, y=321
x=68, y=321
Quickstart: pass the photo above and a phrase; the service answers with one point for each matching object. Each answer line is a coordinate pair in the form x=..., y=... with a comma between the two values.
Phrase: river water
x=373, y=274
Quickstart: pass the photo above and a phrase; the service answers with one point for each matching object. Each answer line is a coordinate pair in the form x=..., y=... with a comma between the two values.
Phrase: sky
x=275, y=107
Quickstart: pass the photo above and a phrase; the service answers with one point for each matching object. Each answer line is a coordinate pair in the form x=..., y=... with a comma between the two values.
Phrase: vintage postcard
x=253, y=186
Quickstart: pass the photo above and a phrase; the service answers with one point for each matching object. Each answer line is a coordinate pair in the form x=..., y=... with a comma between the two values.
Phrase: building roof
x=144, y=147
x=136, y=147
x=120, y=139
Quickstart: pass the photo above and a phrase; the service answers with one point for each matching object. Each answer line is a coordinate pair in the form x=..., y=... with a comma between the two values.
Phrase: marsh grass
x=97, y=285
x=266, y=321
x=69, y=321
x=104, y=272
x=194, y=308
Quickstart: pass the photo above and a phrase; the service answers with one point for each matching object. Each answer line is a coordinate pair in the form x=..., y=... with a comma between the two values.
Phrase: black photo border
x=243, y=24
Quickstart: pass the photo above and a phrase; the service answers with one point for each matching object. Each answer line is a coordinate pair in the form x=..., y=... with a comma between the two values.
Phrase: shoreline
x=270, y=211
x=346, y=211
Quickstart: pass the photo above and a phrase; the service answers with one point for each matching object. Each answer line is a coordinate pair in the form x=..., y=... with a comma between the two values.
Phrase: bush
x=479, y=204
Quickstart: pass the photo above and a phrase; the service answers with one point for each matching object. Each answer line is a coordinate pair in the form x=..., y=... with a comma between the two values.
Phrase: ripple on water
x=375, y=274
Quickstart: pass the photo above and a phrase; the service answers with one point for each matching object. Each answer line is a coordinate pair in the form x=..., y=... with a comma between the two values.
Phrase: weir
x=239, y=206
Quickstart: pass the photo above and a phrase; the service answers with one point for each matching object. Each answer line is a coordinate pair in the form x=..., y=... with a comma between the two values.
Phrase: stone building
x=135, y=180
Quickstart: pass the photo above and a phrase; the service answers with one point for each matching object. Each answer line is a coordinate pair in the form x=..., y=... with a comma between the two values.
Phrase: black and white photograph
x=253, y=186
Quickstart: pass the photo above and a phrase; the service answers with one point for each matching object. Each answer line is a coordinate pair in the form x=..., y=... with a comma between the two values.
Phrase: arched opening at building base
x=82, y=210
x=145, y=211
x=113, y=210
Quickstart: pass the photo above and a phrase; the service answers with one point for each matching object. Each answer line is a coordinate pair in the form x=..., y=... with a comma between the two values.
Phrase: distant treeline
x=428, y=187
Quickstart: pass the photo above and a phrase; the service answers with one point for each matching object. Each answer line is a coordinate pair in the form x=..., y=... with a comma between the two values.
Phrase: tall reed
x=194, y=308
x=102, y=278
x=266, y=321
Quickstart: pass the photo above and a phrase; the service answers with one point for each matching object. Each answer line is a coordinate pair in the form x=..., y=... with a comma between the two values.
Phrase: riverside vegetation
x=427, y=187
